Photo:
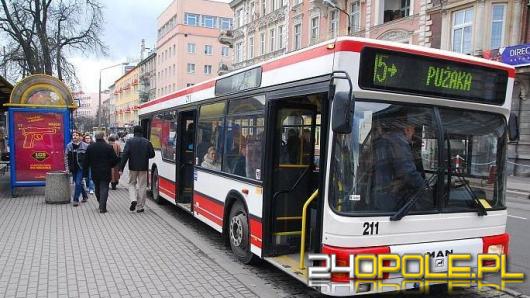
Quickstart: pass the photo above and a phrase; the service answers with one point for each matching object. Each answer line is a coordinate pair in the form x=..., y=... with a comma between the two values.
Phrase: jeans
x=140, y=195
x=79, y=189
x=89, y=182
x=102, y=193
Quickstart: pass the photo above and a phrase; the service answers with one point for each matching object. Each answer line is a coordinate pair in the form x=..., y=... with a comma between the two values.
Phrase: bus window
x=244, y=136
x=473, y=159
x=379, y=166
x=163, y=134
x=209, y=135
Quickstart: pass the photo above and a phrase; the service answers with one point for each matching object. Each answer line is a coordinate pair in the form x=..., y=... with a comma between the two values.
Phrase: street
x=58, y=250
x=518, y=227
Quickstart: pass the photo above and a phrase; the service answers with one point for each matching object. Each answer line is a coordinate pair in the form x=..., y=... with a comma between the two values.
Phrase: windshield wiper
x=403, y=211
x=481, y=209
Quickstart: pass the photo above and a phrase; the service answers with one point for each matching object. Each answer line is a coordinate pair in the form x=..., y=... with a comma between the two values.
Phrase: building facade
x=188, y=50
x=88, y=104
x=127, y=99
x=148, y=78
x=264, y=29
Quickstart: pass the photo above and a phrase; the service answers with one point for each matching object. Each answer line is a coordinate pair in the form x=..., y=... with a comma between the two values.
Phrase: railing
x=304, y=217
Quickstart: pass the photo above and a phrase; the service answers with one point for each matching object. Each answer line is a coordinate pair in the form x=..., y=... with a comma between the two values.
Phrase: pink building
x=188, y=50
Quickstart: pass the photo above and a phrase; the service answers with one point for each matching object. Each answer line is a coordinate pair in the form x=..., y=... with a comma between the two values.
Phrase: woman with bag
x=115, y=174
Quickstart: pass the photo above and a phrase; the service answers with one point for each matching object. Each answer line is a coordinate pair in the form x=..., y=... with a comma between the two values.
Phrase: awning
x=5, y=92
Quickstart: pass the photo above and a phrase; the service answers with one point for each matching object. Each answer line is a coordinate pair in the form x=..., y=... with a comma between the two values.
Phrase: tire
x=239, y=233
x=155, y=194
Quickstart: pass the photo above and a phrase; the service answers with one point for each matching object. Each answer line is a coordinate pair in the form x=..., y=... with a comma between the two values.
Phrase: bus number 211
x=371, y=228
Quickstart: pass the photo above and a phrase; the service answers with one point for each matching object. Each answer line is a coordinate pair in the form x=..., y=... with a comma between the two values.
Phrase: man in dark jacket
x=101, y=158
x=138, y=150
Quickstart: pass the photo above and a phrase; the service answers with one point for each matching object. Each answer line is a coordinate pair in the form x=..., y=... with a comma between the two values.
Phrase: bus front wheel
x=239, y=233
x=154, y=186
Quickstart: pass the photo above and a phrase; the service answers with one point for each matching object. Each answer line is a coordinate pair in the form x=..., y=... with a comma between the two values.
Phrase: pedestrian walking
x=100, y=159
x=115, y=177
x=89, y=182
x=138, y=150
x=75, y=154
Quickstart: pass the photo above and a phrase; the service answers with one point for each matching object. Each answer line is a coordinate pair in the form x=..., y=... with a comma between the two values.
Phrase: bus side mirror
x=513, y=128
x=342, y=113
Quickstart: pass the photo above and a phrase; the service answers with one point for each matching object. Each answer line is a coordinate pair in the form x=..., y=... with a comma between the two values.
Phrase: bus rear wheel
x=239, y=233
x=155, y=182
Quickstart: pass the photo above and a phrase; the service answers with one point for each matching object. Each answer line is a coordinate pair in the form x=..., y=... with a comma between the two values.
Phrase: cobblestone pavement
x=59, y=250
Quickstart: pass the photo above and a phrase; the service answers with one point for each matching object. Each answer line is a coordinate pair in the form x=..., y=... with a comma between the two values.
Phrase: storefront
x=519, y=152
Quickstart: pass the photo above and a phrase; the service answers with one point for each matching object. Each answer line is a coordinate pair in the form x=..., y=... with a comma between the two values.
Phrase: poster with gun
x=39, y=143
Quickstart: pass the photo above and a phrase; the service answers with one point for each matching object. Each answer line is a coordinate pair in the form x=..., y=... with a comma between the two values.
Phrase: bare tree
x=42, y=33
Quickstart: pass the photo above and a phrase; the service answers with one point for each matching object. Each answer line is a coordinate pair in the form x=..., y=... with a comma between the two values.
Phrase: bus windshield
x=447, y=160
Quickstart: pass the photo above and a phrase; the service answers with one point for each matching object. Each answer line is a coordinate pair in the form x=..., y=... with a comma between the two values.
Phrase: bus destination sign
x=242, y=81
x=407, y=73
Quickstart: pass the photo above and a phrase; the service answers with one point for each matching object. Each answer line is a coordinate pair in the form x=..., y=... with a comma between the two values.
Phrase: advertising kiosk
x=39, y=113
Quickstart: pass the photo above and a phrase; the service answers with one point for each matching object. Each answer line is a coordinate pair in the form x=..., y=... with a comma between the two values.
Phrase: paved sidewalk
x=59, y=250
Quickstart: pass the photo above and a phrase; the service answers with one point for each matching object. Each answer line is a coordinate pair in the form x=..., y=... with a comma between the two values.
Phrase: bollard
x=57, y=189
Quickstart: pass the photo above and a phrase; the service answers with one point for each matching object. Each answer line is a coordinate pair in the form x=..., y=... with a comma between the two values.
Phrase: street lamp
x=332, y=4
x=99, y=91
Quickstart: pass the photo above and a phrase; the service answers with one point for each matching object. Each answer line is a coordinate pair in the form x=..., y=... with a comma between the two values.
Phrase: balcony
x=227, y=38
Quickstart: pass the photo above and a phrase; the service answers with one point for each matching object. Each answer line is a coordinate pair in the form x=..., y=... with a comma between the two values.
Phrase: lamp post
x=99, y=91
x=332, y=4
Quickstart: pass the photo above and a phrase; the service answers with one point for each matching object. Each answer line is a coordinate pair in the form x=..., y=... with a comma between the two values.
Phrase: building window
x=395, y=9
x=280, y=37
x=263, y=7
x=497, y=25
x=239, y=54
x=297, y=36
x=224, y=51
x=189, y=84
x=207, y=69
x=251, y=11
x=462, y=30
x=225, y=23
x=191, y=19
x=262, y=43
x=315, y=24
x=334, y=23
x=191, y=68
x=251, y=47
x=208, y=21
x=272, y=39
x=208, y=50
x=239, y=18
x=191, y=48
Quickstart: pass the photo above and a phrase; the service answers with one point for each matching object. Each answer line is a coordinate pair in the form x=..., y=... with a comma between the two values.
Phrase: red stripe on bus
x=255, y=232
x=208, y=207
x=357, y=46
x=198, y=87
x=167, y=186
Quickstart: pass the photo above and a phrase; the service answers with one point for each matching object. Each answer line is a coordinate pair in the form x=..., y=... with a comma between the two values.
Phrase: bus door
x=185, y=160
x=293, y=172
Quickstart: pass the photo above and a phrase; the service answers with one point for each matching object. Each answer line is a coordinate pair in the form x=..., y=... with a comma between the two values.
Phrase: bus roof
x=340, y=44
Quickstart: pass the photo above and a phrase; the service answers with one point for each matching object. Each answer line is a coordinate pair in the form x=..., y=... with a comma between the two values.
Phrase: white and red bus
x=322, y=130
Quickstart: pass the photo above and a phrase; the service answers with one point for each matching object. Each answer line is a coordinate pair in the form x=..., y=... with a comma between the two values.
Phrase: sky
x=127, y=22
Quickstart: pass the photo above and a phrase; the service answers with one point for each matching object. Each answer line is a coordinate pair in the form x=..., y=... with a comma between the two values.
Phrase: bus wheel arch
x=236, y=229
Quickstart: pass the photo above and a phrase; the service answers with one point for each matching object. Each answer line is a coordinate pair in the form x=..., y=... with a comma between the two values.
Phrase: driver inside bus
x=396, y=176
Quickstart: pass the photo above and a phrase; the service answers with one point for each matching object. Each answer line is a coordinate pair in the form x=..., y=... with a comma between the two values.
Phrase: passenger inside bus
x=396, y=175
x=210, y=160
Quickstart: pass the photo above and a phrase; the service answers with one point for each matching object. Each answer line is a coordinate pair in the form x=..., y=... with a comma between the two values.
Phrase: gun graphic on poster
x=32, y=134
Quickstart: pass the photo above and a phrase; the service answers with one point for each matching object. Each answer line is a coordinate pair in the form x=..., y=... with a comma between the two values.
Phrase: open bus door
x=295, y=175
x=185, y=158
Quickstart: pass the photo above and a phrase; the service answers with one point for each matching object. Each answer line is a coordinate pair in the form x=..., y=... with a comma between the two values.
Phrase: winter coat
x=208, y=163
x=101, y=158
x=138, y=150
x=75, y=157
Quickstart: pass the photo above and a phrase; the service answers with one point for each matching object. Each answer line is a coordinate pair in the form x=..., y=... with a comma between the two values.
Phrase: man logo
x=40, y=155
